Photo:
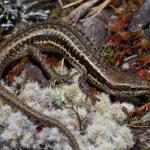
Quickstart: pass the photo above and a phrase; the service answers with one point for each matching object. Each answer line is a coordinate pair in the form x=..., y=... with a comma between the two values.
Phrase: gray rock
x=95, y=30
x=33, y=73
x=147, y=33
x=141, y=16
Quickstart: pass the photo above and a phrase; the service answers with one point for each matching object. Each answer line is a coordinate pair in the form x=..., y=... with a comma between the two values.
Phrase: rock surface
x=141, y=16
x=95, y=30
x=141, y=138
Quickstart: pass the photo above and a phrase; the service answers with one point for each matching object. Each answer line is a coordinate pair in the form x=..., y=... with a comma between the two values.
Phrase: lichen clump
x=99, y=126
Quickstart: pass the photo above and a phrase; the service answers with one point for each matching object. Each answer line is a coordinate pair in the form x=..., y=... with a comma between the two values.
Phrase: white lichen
x=27, y=140
x=102, y=123
x=117, y=114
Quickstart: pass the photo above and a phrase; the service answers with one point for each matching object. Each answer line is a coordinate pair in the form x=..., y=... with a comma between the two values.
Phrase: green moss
x=109, y=53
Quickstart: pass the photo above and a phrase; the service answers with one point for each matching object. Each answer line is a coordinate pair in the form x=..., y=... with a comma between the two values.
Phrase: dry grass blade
x=97, y=10
x=79, y=12
x=60, y=2
x=73, y=4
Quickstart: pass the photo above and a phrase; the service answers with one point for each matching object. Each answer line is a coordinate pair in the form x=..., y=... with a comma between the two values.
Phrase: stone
x=141, y=16
x=95, y=30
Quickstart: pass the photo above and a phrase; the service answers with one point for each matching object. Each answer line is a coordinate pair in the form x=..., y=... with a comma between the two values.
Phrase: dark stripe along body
x=80, y=52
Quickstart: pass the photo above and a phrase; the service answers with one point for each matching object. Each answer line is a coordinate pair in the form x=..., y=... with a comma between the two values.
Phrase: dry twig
x=60, y=2
x=97, y=10
x=71, y=4
x=72, y=107
x=79, y=12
